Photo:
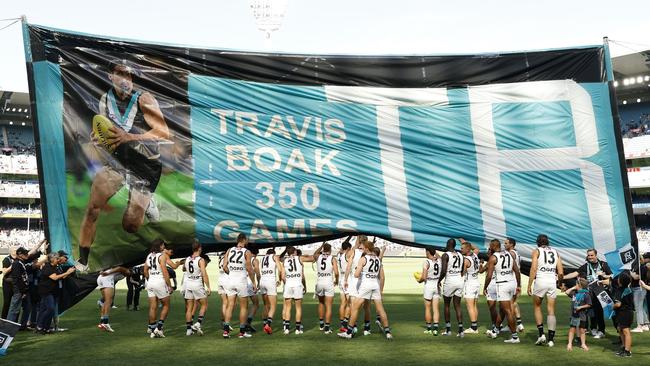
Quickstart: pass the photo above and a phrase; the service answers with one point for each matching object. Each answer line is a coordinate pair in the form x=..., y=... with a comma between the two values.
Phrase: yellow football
x=417, y=275
x=101, y=129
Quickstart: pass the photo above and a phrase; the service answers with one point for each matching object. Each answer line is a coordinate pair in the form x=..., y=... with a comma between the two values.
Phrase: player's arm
x=308, y=258
x=443, y=269
x=224, y=265
x=515, y=268
x=279, y=269
x=571, y=276
x=533, y=271
x=162, y=261
x=490, y=270
x=249, y=267
x=466, y=264
x=347, y=271
x=173, y=264
x=256, y=269
x=204, y=275
x=560, y=269
x=382, y=279
x=335, y=268
x=362, y=262
x=145, y=271
x=382, y=252
x=425, y=271
x=318, y=251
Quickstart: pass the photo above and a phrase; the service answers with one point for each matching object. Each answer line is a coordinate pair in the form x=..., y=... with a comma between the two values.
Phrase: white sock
x=551, y=322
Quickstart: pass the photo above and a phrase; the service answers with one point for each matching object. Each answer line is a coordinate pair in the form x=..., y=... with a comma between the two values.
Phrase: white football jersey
x=153, y=261
x=546, y=264
x=454, y=267
x=371, y=269
x=236, y=263
x=292, y=270
x=473, y=270
x=193, y=271
x=268, y=267
x=324, y=269
x=503, y=268
x=434, y=267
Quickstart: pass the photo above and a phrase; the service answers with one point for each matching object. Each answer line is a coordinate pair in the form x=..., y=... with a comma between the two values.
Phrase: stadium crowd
x=19, y=237
x=18, y=164
x=19, y=190
x=636, y=128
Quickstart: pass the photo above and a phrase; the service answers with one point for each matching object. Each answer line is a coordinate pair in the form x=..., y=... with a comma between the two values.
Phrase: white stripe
x=387, y=102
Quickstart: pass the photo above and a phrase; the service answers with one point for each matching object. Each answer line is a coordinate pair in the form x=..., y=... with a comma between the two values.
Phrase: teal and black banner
x=142, y=141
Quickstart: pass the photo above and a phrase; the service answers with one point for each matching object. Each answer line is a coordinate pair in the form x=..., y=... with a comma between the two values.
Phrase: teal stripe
x=49, y=110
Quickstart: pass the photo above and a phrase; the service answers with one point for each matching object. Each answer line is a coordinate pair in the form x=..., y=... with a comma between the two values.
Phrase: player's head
x=169, y=251
x=646, y=257
x=53, y=258
x=592, y=255
x=291, y=250
x=270, y=251
x=346, y=245
x=298, y=251
x=542, y=240
x=475, y=249
x=242, y=240
x=431, y=251
x=327, y=248
x=362, y=239
x=121, y=76
x=624, y=280
x=466, y=248
x=254, y=250
x=582, y=283
x=22, y=253
x=376, y=251
x=495, y=245
x=369, y=246
x=157, y=246
x=510, y=243
x=196, y=247
x=451, y=244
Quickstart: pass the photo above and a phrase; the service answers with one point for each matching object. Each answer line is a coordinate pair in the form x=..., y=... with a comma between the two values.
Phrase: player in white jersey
x=453, y=271
x=159, y=287
x=430, y=275
x=106, y=284
x=491, y=294
x=197, y=288
x=503, y=270
x=327, y=278
x=252, y=293
x=545, y=272
x=238, y=265
x=350, y=282
x=268, y=270
x=370, y=275
x=292, y=276
x=344, y=308
x=472, y=286
x=221, y=290
x=510, y=244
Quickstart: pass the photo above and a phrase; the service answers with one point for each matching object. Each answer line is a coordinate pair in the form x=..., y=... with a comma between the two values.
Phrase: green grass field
x=83, y=343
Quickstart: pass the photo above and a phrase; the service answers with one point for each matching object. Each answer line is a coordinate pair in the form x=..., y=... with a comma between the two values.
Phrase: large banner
x=140, y=141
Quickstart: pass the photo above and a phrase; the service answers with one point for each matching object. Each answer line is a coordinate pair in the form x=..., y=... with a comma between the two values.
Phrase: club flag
x=621, y=259
x=8, y=330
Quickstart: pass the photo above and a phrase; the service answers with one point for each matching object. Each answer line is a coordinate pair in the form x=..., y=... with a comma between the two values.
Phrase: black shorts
x=144, y=170
x=624, y=318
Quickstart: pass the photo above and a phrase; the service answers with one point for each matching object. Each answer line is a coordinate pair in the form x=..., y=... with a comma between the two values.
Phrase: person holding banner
x=47, y=289
x=639, y=293
x=137, y=126
x=595, y=271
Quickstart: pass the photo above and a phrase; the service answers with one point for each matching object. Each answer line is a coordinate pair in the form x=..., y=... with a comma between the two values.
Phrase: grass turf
x=83, y=343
